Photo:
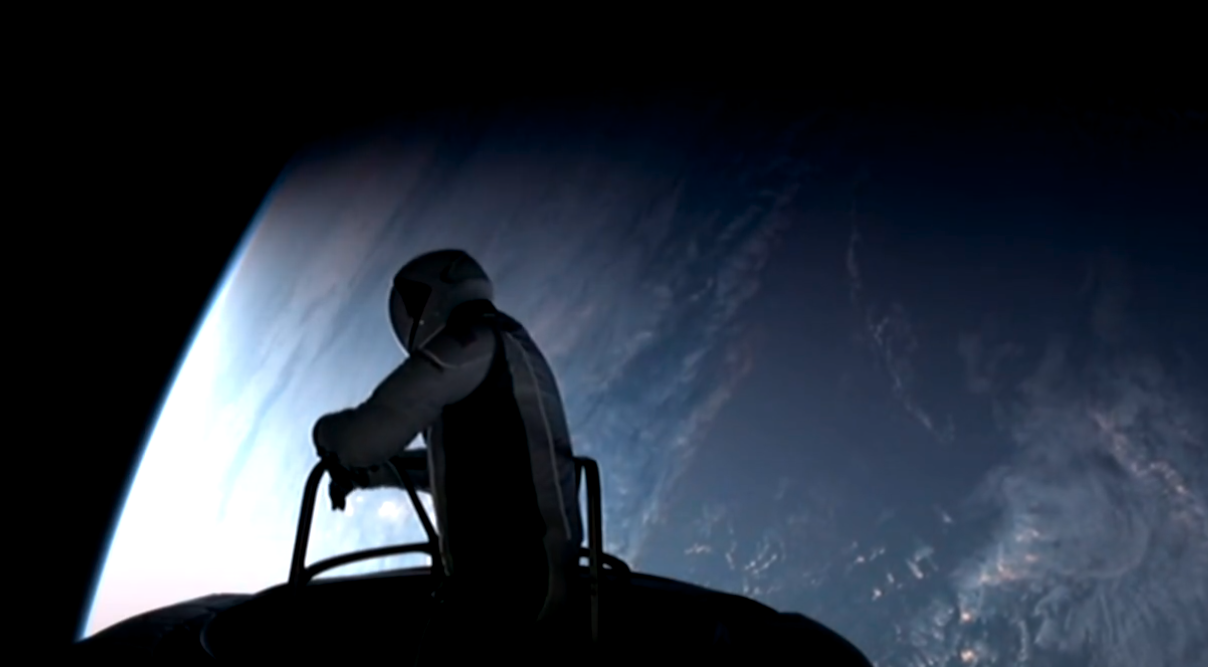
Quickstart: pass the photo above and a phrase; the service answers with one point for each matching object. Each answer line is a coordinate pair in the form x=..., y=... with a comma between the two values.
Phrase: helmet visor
x=414, y=296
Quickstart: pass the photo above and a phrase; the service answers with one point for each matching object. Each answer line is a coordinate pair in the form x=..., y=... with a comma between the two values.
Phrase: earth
x=933, y=380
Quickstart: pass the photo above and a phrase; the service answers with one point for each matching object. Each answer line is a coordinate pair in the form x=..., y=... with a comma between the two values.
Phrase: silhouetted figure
x=499, y=462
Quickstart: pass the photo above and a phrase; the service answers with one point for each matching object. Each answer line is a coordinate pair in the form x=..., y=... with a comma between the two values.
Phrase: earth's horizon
x=936, y=385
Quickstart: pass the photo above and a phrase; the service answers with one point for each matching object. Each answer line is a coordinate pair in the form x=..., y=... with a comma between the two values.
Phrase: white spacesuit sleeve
x=409, y=400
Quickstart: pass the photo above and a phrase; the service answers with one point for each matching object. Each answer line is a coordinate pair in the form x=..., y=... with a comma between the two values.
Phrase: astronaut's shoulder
x=461, y=344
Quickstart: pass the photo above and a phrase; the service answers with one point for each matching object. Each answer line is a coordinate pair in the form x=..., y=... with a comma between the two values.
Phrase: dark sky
x=153, y=194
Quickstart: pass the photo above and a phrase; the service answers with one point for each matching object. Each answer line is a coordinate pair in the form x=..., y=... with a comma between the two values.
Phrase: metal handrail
x=305, y=518
x=300, y=574
x=405, y=480
x=595, y=539
x=610, y=563
x=365, y=554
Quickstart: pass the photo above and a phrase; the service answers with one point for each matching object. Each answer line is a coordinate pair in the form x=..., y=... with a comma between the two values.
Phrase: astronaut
x=499, y=463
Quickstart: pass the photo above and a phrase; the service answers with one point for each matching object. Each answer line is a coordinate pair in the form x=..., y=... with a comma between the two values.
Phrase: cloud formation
x=628, y=246
x=1101, y=549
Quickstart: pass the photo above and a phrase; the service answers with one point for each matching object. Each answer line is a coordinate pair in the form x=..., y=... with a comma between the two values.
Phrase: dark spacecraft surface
x=625, y=616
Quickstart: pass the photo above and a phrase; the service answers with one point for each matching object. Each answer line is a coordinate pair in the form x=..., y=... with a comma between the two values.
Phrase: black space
x=140, y=200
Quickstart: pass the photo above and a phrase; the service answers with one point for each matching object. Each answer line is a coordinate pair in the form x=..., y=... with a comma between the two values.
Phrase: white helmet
x=428, y=288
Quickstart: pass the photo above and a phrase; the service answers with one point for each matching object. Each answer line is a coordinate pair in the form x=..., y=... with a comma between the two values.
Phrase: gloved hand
x=343, y=480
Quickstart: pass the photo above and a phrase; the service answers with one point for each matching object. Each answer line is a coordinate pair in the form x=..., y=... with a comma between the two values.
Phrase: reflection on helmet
x=428, y=288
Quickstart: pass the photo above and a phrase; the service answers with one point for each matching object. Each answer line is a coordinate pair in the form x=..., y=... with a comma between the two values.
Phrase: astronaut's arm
x=408, y=401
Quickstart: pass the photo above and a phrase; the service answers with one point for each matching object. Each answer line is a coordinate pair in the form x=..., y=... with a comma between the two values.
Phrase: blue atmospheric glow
x=218, y=295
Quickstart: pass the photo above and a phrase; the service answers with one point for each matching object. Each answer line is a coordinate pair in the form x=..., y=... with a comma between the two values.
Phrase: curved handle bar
x=300, y=574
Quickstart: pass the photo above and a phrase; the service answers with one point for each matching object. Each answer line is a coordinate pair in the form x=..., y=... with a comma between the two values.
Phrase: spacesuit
x=499, y=463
